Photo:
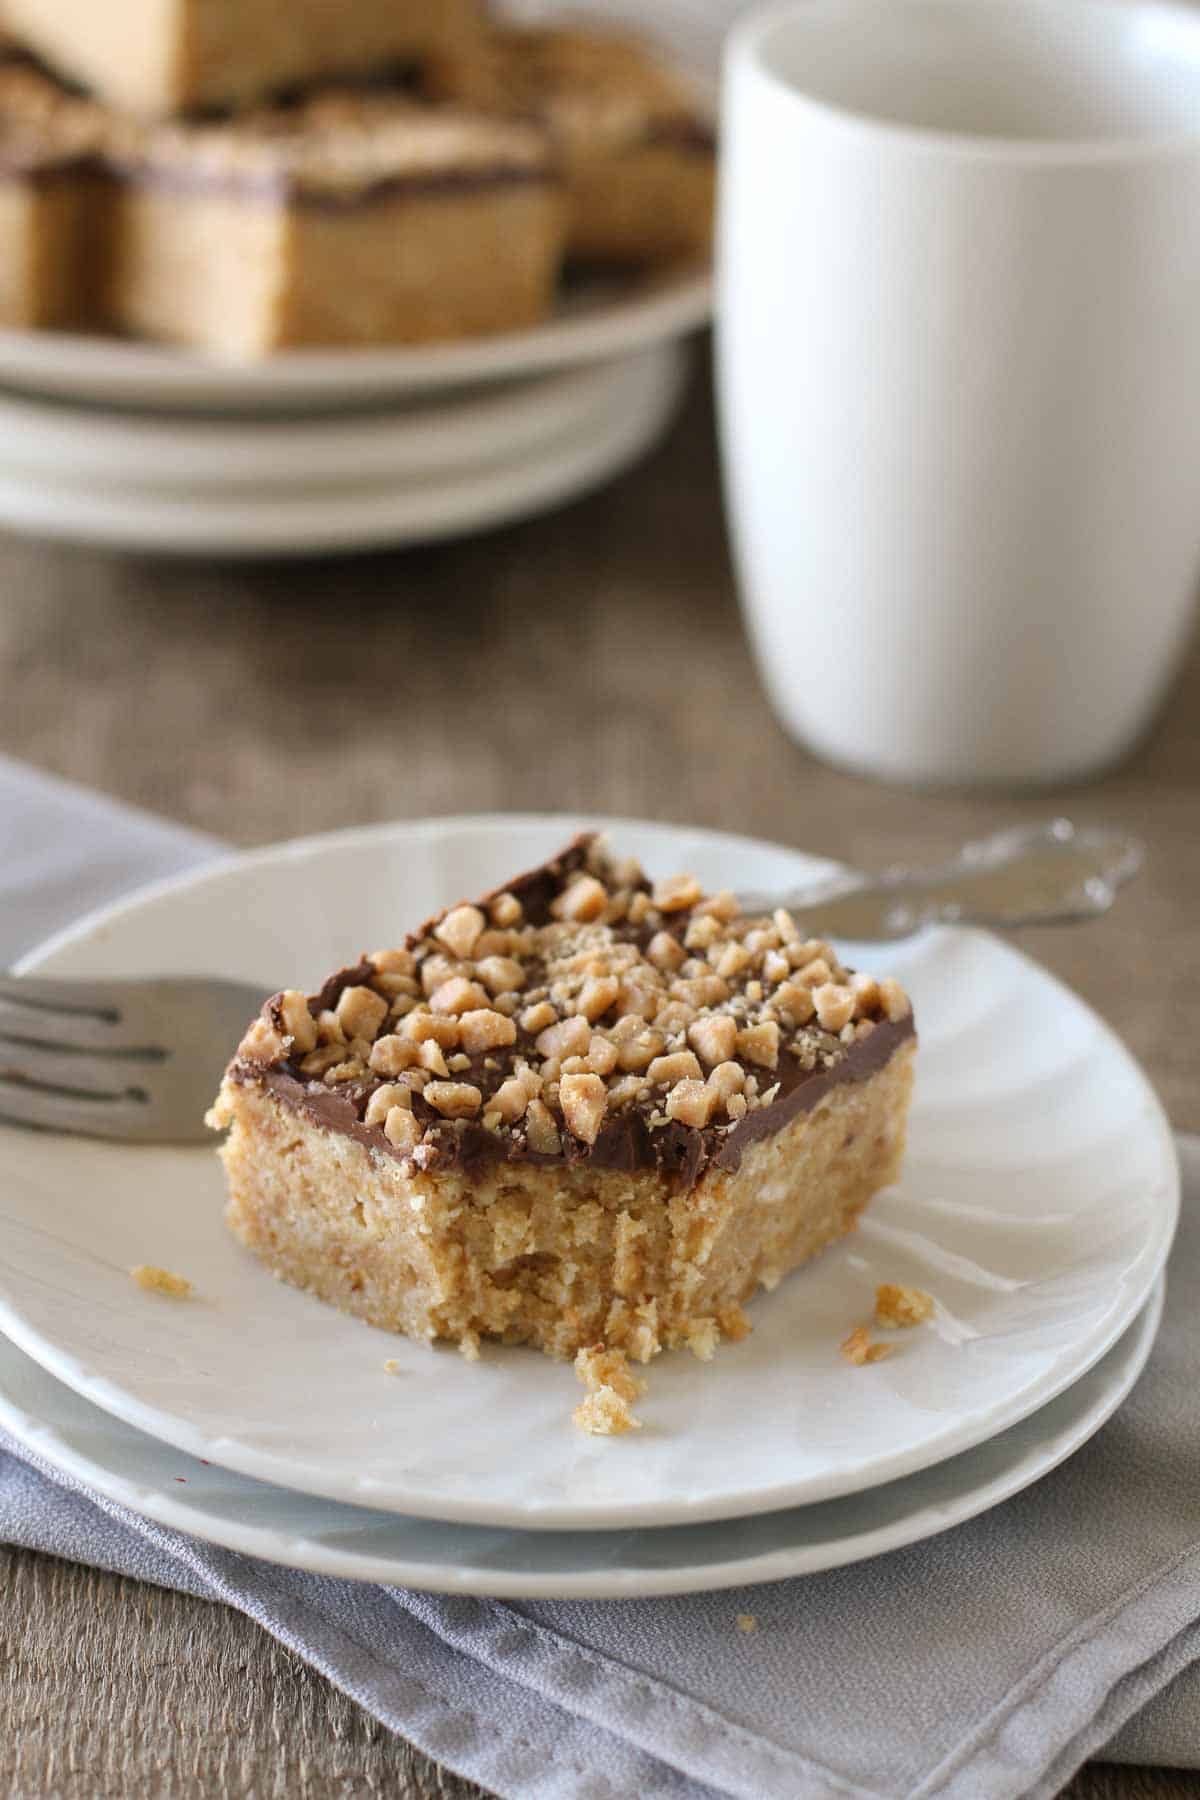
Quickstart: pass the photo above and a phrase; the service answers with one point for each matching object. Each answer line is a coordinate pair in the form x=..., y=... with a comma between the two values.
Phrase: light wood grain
x=592, y=661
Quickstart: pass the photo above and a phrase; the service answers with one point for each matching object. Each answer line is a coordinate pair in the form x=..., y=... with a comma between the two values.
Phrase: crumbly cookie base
x=248, y=277
x=558, y=1257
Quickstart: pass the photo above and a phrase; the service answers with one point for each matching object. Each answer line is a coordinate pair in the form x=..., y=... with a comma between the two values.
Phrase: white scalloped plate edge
x=74, y=1439
x=112, y=371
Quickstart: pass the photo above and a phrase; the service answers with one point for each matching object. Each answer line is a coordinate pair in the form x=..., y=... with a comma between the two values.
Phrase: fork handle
x=1053, y=873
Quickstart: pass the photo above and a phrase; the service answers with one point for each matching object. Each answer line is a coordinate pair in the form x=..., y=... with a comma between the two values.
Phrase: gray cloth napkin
x=985, y=1664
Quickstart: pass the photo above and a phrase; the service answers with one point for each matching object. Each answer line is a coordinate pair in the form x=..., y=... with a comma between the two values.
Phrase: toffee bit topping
x=678, y=893
x=541, y=1131
x=384, y=1099
x=454, y=1099
x=401, y=1129
x=296, y=1021
x=506, y=909
x=584, y=1100
x=460, y=930
x=541, y=1017
x=691, y=1102
x=485, y=1030
x=361, y=1011
x=585, y=899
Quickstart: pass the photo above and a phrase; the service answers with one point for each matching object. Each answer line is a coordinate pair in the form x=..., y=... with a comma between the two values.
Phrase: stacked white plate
x=1037, y=1204
x=149, y=448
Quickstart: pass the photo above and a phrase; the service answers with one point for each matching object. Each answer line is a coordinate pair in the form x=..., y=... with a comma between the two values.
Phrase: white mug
x=959, y=374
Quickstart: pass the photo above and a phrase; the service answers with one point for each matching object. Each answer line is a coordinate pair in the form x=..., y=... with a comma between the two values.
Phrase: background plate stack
x=288, y=296
x=154, y=449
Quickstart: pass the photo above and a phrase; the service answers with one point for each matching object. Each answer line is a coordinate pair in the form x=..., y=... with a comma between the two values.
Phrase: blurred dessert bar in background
x=637, y=144
x=355, y=218
x=437, y=196
x=167, y=56
x=48, y=142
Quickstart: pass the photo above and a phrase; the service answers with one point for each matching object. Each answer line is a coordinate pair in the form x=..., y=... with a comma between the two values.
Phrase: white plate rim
x=416, y=440
x=155, y=377
x=303, y=522
x=278, y=1471
x=957, y=1502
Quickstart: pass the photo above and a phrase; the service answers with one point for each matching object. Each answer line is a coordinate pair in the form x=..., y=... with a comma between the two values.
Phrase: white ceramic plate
x=413, y=440
x=152, y=1479
x=1038, y=1204
x=597, y=321
x=219, y=489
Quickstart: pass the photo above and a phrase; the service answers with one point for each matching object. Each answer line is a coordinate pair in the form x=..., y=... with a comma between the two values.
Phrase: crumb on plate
x=897, y=1306
x=161, y=1281
x=604, y=1413
x=858, y=1348
x=599, y=1367
x=611, y=1388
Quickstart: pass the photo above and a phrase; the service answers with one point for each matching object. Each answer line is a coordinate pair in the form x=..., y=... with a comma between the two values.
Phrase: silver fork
x=118, y=1059
x=140, y=1060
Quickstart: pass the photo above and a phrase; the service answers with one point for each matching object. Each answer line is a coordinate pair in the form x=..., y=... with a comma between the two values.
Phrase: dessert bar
x=583, y=1111
x=47, y=178
x=162, y=56
x=353, y=218
x=637, y=146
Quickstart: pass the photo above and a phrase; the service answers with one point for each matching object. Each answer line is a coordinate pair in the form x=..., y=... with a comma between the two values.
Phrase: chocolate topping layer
x=634, y=1134
x=281, y=187
x=337, y=148
x=626, y=1143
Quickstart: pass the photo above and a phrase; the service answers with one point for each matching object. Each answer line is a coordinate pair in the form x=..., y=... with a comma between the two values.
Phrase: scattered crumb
x=392, y=1367
x=598, y=1367
x=897, y=1306
x=161, y=1281
x=611, y=1386
x=746, y=1623
x=468, y=1346
x=859, y=1349
x=604, y=1413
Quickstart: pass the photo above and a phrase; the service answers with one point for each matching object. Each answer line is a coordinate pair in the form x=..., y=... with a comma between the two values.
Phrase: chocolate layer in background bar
x=36, y=111
x=626, y=1142
x=284, y=188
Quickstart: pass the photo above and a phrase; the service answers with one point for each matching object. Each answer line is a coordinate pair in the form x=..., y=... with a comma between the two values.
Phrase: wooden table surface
x=590, y=661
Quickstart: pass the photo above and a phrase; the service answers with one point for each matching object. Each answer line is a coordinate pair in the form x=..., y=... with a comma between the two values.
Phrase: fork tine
x=101, y=1018
x=148, y=1077
x=72, y=998
x=64, y=1069
x=50, y=1034
x=53, y=1111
